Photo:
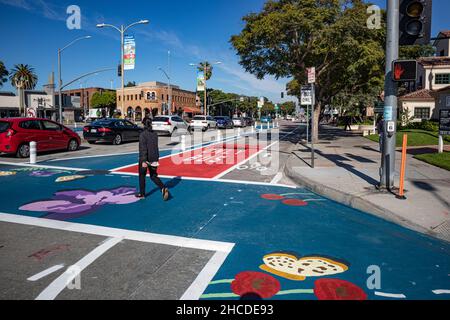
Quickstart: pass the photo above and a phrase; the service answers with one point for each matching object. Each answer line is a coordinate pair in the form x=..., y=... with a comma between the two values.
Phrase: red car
x=17, y=133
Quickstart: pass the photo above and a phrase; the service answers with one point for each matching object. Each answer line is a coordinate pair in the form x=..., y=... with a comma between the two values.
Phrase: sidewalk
x=347, y=170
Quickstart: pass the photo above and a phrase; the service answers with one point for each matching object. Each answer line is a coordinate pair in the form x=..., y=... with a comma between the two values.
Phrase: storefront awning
x=192, y=110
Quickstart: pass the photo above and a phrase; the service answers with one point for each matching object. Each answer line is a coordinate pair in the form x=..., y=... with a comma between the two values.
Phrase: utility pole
x=205, y=103
x=170, y=88
x=390, y=101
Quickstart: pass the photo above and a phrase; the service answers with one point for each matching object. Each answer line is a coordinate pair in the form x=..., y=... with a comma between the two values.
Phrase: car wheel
x=73, y=145
x=23, y=151
x=117, y=140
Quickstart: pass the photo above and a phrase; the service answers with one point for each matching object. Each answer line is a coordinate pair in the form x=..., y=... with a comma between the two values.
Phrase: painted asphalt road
x=259, y=219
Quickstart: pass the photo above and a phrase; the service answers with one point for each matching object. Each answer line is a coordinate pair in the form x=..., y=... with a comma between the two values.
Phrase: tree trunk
x=316, y=115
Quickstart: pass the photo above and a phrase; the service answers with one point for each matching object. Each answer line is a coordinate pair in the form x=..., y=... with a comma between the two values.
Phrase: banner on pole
x=200, y=81
x=129, y=53
x=311, y=74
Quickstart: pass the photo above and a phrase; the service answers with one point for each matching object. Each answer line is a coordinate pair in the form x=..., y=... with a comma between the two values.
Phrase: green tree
x=287, y=108
x=3, y=74
x=104, y=100
x=209, y=69
x=130, y=84
x=416, y=51
x=289, y=36
x=23, y=77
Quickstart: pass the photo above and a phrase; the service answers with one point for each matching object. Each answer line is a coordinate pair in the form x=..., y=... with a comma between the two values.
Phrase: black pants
x=153, y=175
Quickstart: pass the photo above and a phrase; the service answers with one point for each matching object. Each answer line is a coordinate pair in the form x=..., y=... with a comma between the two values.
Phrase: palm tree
x=3, y=74
x=23, y=78
x=209, y=69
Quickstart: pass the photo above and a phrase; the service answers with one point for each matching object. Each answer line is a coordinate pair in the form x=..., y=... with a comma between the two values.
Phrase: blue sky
x=193, y=30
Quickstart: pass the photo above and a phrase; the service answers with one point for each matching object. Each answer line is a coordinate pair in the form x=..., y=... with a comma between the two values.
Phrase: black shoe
x=140, y=196
x=165, y=194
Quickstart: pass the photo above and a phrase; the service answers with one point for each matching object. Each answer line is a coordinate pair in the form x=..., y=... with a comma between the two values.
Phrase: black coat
x=148, y=146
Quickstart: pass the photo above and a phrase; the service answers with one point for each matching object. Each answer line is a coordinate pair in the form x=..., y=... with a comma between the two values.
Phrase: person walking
x=148, y=160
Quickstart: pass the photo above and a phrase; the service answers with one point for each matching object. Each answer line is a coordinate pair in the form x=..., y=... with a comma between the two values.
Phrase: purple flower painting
x=71, y=204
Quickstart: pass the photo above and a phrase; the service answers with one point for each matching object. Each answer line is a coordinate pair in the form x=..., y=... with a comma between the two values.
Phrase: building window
x=422, y=113
x=442, y=78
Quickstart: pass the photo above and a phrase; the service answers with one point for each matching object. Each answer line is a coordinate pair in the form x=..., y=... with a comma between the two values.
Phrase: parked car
x=239, y=122
x=224, y=122
x=266, y=119
x=17, y=133
x=169, y=124
x=115, y=131
x=249, y=121
x=202, y=122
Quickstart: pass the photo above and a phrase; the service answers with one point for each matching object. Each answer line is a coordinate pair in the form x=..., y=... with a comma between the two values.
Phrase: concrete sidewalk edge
x=353, y=201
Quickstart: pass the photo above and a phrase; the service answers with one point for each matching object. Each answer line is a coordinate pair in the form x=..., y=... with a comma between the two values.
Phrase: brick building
x=152, y=97
x=79, y=107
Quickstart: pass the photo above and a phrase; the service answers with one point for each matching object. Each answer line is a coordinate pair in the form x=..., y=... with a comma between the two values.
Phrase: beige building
x=433, y=78
x=152, y=98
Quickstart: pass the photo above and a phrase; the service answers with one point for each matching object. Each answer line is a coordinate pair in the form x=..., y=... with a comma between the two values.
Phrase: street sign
x=444, y=122
x=379, y=108
x=277, y=107
x=306, y=96
x=311, y=74
x=404, y=70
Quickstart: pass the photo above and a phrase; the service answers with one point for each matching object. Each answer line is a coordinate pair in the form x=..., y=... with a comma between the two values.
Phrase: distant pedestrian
x=148, y=160
x=347, y=123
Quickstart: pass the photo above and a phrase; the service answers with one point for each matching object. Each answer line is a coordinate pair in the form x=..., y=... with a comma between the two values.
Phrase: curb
x=355, y=202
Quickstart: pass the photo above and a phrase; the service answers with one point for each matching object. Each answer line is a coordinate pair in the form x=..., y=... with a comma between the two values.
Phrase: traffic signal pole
x=390, y=101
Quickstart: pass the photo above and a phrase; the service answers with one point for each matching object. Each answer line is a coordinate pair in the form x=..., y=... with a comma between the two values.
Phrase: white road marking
x=41, y=166
x=253, y=156
x=58, y=285
x=213, y=180
x=45, y=273
x=441, y=291
x=390, y=295
x=182, y=242
x=94, y=156
x=203, y=279
x=277, y=178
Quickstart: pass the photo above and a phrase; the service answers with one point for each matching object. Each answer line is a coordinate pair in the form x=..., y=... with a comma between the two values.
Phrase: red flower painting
x=336, y=289
x=250, y=282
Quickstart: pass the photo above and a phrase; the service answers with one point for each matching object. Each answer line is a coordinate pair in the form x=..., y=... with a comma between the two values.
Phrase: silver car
x=239, y=122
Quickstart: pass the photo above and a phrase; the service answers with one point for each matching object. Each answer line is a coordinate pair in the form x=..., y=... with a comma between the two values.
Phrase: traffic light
x=415, y=22
x=119, y=70
x=404, y=70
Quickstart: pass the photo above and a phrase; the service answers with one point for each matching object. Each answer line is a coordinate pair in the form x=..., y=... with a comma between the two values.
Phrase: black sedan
x=115, y=131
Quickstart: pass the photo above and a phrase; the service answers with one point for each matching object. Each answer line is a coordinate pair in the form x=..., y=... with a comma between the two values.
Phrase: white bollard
x=183, y=142
x=33, y=152
x=219, y=135
x=239, y=132
x=441, y=144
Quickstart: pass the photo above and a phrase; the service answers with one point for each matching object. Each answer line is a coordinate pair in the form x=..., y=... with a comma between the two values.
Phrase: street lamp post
x=59, y=73
x=205, y=69
x=122, y=31
x=169, y=91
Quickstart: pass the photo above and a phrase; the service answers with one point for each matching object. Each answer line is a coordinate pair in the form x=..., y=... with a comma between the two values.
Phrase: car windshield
x=199, y=118
x=4, y=126
x=160, y=119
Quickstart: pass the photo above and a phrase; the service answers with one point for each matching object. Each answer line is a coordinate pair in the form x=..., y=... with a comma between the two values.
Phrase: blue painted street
x=259, y=219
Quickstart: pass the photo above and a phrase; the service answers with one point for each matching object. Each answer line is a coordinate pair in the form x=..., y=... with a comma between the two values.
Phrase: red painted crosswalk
x=205, y=162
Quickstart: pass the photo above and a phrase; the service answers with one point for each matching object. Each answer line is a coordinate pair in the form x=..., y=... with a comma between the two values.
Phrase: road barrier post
x=33, y=152
x=401, y=194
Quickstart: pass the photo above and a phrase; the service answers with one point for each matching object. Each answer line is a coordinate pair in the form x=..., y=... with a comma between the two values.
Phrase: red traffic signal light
x=404, y=70
x=415, y=22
